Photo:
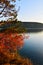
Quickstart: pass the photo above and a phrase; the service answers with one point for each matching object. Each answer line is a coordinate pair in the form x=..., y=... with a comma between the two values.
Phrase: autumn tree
x=10, y=40
x=8, y=9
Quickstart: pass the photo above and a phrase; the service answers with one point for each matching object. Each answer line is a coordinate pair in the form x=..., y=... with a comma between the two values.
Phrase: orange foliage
x=11, y=41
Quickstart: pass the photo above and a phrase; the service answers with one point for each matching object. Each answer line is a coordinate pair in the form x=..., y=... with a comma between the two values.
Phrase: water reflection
x=33, y=48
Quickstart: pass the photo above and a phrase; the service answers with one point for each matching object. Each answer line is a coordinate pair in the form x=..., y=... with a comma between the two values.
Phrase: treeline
x=32, y=25
x=27, y=25
x=24, y=24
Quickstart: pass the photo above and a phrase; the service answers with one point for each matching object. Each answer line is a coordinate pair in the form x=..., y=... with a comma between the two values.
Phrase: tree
x=10, y=40
x=7, y=8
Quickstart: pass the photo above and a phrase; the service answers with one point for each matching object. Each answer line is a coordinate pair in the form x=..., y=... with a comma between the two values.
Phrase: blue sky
x=31, y=10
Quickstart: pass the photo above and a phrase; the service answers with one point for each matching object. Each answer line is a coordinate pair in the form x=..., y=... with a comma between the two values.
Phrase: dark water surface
x=33, y=48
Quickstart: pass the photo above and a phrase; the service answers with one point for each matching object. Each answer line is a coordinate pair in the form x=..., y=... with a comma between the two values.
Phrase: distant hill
x=32, y=25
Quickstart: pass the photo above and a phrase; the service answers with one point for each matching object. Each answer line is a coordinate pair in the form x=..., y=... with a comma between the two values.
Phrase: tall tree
x=7, y=8
x=10, y=40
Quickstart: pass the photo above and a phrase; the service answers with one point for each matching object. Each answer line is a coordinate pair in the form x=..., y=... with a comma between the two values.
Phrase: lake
x=33, y=47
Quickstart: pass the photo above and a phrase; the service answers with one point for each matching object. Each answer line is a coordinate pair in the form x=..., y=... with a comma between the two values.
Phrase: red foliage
x=11, y=41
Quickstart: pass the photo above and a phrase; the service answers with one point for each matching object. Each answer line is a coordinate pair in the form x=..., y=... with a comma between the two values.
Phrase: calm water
x=33, y=48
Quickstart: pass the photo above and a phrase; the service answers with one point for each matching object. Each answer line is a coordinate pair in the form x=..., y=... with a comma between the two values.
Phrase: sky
x=31, y=11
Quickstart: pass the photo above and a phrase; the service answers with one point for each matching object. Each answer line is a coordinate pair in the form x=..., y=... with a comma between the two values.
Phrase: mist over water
x=33, y=48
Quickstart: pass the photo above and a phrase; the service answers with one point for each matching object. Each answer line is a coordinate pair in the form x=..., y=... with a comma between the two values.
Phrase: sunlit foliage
x=7, y=8
x=11, y=38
